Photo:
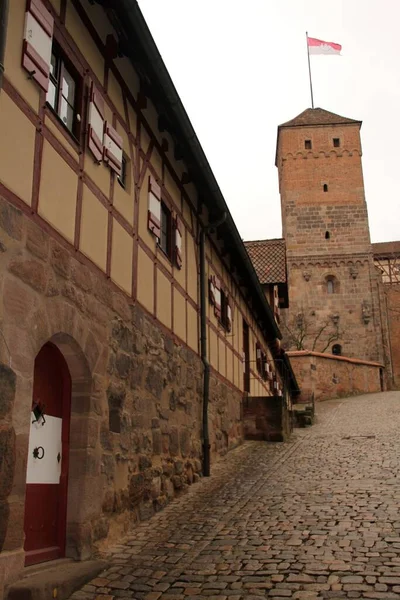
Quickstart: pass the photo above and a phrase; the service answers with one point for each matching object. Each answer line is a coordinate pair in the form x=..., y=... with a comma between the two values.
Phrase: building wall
x=390, y=302
x=103, y=222
x=327, y=237
x=80, y=268
x=324, y=376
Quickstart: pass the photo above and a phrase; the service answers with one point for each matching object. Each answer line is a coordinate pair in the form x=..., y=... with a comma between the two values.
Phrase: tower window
x=327, y=235
x=337, y=349
x=336, y=142
x=307, y=144
x=325, y=187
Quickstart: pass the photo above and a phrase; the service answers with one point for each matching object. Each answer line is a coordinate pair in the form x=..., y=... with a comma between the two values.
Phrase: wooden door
x=47, y=469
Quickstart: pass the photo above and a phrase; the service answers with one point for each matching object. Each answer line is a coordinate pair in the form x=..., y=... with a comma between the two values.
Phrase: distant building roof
x=383, y=248
x=269, y=259
x=317, y=116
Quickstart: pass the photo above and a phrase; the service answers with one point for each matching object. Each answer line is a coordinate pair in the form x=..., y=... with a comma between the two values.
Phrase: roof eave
x=137, y=28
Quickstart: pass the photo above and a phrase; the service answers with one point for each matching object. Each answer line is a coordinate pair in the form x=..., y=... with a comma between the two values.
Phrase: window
x=330, y=288
x=224, y=310
x=327, y=235
x=123, y=178
x=63, y=91
x=336, y=142
x=325, y=187
x=166, y=230
x=308, y=145
x=337, y=349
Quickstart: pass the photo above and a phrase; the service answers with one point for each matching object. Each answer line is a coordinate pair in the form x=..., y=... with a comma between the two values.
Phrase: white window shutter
x=154, y=208
x=96, y=123
x=211, y=289
x=178, y=241
x=217, y=305
x=112, y=151
x=277, y=310
x=229, y=314
x=38, y=40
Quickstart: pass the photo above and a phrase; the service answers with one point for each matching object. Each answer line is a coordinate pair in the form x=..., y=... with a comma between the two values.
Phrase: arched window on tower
x=337, y=349
x=332, y=284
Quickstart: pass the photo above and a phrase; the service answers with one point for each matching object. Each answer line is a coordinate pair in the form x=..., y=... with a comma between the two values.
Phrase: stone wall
x=327, y=376
x=135, y=439
x=7, y=454
x=350, y=316
x=392, y=304
x=266, y=418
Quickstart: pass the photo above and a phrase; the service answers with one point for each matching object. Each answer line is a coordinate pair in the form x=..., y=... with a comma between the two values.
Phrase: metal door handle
x=38, y=452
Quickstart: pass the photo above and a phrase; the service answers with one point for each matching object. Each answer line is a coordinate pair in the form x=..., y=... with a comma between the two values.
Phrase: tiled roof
x=317, y=116
x=383, y=248
x=269, y=259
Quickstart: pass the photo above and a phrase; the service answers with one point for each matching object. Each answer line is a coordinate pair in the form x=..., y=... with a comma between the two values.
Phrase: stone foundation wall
x=136, y=410
x=327, y=376
x=266, y=418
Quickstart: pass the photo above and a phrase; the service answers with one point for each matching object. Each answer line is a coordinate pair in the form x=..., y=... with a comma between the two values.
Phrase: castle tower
x=332, y=282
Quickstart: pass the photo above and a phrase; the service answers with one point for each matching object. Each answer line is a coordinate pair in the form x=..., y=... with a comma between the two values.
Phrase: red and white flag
x=319, y=47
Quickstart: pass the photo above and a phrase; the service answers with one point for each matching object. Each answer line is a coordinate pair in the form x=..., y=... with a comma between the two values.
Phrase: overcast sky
x=240, y=69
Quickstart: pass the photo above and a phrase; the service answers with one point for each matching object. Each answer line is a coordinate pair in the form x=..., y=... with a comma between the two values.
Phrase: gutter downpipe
x=3, y=35
x=203, y=342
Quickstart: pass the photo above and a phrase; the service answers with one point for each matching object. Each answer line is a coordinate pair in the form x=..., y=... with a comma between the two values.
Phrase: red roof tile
x=269, y=259
x=317, y=116
x=384, y=248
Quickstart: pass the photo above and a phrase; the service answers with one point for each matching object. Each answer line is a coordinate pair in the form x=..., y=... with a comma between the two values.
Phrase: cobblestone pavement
x=315, y=518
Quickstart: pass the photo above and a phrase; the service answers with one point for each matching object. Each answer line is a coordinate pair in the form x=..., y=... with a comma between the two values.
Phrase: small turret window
x=308, y=145
x=327, y=235
x=325, y=187
x=336, y=142
x=337, y=349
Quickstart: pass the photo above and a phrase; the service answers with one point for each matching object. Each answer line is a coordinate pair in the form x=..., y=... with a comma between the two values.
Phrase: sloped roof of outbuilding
x=318, y=116
x=386, y=248
x=269, y=259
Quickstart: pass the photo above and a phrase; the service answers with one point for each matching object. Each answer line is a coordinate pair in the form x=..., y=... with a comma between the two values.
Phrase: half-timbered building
x=132, y=322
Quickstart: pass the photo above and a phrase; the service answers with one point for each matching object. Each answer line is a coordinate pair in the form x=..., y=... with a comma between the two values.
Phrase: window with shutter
x=217, y=296
x=63, y=94
x=228, y=314
x=96, y=123
x=38, y=38
x=259, y=358
x=211, y=289
x=154, y=208
x=178, y=241
x=165, y=241
x=264, y=365
x=112, y=151
x=277, y=310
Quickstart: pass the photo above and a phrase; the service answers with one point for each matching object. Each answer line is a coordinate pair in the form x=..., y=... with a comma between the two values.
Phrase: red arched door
x=47, y=468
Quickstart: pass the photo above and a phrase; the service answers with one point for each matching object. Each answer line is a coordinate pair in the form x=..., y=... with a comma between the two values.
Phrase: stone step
x=54, y=580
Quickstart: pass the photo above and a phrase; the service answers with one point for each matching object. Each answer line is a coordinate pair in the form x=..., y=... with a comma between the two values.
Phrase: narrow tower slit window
x=327, y=235
x=307, y=144
x=325, y=187
x=336, y=142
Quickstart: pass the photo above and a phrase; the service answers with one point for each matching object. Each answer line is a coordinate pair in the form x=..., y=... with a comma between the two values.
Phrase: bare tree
x=302, y=332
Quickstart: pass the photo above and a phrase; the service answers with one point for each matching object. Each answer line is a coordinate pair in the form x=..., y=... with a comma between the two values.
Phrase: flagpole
x=309, y=71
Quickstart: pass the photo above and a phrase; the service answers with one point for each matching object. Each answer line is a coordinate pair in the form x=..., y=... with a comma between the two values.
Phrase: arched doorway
x=48, y=454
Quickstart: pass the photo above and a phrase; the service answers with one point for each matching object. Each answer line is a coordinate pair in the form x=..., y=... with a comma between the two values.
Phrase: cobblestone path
x=316, y=518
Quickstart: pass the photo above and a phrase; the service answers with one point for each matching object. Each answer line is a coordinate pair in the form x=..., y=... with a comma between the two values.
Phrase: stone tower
x=334, y=305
